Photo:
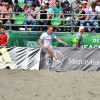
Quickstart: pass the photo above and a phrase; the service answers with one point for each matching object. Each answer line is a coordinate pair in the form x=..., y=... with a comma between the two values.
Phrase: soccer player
x=79, y=37
x=45, y=41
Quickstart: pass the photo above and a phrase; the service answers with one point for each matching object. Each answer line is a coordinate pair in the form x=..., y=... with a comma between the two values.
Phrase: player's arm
x=60, y=41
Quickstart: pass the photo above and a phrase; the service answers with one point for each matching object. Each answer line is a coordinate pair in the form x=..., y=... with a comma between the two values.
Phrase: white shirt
x=97, y=8
x=47, y=38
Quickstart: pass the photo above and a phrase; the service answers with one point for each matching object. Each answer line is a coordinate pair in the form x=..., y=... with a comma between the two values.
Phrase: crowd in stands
x=37, y=14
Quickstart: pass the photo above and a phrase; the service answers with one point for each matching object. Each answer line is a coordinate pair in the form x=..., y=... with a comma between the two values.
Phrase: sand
x=44, y=85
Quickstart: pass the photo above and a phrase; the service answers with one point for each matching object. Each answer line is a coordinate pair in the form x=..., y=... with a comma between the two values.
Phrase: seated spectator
x=36, y=2
x=67, y=15
x=92, y=17
x=84, y=6
x=80, y=17
x=43, y=17
x=98, y=2
x=29, y=3
x=31, y=18
x=87, y=3
x=1, y=7
x=57, y=10
x=74, y=5
x=17, y=8
x=97, y=8
x=9, y=1
x=6, y=13
x=52, y=3
x=48, y=9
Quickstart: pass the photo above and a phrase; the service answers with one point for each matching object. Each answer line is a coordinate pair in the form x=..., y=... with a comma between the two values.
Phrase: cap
x=84, y=2
x=81, y=27
x=46, y=1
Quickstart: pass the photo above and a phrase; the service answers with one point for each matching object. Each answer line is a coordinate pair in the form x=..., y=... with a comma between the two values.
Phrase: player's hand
x=66, y=44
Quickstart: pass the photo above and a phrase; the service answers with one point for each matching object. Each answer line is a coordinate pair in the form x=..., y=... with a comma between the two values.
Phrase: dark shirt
x=43, y=16
x=29, y=2
x=82, y=12
x=67, y=12
x=17, y=9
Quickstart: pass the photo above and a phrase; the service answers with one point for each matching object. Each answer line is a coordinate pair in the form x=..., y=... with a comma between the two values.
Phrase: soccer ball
x=75, y=40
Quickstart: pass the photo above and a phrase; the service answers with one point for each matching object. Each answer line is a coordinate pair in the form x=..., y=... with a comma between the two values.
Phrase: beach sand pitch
x=44, y=85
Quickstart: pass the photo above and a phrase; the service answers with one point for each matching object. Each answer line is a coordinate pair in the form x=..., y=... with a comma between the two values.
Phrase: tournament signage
x=80, y=59
x=31, y=39
x=85, y=59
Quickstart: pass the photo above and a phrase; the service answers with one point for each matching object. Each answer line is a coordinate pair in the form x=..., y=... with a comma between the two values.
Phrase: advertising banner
x=85, y=59
x=29, y=39
x=19, y=58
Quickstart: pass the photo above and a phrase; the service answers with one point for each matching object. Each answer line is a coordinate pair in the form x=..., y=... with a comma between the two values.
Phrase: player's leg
x=51, y=52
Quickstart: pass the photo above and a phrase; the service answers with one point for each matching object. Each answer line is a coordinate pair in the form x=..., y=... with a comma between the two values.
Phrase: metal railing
x=72, y=22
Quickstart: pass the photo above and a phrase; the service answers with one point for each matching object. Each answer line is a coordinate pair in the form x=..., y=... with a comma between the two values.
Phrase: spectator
x=74, y=5
x=1, y=7
x=98, y=2
x=6, y=13
x=4, y=38
x=67, y=15
x=92, y=17
x=17, y=8
x=57, y=10
x=36, y=2
x=87, y=3
x=80, y=16
x=29, y=3
x=52, y=3
x=97, y=8
x=9, y=1
x=84, y=6
x=43, y=17
x=31, y=18
x=48, y=9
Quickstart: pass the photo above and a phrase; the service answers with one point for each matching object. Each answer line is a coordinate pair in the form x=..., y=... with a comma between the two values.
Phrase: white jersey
x=47, y=38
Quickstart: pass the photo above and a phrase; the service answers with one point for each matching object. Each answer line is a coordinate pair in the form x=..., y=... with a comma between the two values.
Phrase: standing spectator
x=74, y=5
x=31, y=18
x=43, y=17
x=57, y=10
x=92, y=17
x=4, y=38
